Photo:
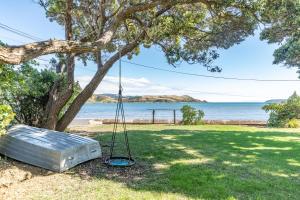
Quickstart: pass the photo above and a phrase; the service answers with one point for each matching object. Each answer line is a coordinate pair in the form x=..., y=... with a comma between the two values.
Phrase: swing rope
x=120, y=160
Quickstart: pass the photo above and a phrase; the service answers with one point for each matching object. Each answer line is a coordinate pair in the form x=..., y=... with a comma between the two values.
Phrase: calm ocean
x=213, y=111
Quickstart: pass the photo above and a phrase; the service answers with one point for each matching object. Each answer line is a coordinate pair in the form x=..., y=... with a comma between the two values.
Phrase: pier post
x=174, y=117
x=153, y=116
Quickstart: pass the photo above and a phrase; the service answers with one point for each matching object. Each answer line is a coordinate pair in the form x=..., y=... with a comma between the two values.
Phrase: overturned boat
x=53, y=150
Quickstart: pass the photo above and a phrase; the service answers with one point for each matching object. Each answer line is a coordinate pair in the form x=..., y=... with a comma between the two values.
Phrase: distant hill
x=112, y=98
x=275, y=101
x=103, y=98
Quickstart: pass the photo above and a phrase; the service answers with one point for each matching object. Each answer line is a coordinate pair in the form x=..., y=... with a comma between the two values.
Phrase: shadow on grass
x=211, y=163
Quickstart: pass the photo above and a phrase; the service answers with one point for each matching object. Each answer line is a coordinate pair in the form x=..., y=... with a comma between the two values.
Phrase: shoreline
x=165, y=111
x=85, y=122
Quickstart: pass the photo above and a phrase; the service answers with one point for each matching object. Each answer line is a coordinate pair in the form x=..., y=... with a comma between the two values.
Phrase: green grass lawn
x=190, y=162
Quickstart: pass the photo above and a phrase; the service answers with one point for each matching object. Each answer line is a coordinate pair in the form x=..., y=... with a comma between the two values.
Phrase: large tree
x=102, y=31
x=282, y=26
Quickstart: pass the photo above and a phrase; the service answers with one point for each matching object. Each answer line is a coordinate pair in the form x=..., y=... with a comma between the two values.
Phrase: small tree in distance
x=285, y=114
x=191, y=116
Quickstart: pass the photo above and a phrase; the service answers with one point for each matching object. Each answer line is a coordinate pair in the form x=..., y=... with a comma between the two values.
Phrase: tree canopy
x=184, y=29
x=282, y=26
x=102, y=31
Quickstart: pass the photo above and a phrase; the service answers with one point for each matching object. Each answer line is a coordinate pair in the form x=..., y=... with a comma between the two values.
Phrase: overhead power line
x=210, y=76
x=20, y=33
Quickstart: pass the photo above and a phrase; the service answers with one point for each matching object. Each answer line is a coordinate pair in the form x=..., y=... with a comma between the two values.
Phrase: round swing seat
x=120, y=161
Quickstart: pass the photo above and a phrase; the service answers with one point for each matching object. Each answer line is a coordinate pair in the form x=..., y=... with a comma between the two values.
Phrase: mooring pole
x=153, y=116
x=174, y=112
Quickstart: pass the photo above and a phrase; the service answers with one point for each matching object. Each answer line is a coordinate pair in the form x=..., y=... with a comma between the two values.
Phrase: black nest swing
x=127, y=160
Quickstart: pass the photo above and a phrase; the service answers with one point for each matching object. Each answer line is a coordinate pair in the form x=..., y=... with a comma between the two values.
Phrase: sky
x=250, y=59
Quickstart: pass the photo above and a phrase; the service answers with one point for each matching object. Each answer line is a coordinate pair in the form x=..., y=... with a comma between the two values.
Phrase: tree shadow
x=210, y=164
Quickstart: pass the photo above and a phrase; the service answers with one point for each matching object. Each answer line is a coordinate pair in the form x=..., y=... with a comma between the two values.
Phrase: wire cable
x=20, y=33
x=210, y=76
x=191, y=91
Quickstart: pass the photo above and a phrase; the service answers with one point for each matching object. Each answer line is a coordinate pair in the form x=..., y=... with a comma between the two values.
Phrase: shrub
x=293, y=123
x=6, y=116
x=191, y=116
x=27, y=90
x=283, y=114
x=29, y=96
x=275, y=120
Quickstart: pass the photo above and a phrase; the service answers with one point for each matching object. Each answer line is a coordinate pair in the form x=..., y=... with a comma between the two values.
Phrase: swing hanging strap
x=120, y=73
x=120, y=111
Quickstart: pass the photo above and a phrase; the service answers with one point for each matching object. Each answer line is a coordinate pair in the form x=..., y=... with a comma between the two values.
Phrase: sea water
x=213, y=111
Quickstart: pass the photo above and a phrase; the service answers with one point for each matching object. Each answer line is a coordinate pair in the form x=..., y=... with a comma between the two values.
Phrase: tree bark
x=80, y=100
x=18, y=54
x=58, y=97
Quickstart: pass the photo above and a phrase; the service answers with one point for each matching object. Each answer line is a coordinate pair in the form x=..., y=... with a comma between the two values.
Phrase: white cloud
x=131, y=86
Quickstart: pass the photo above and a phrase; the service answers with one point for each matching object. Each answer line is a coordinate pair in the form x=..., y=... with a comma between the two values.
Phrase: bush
x=27, y=90
x=191, y=116
x=275, y=121
x=284, y=114
x=30, y=92
x=293, y=123
x=6, y=116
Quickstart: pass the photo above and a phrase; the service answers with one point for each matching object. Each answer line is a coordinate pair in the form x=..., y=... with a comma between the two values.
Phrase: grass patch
x=185, y=162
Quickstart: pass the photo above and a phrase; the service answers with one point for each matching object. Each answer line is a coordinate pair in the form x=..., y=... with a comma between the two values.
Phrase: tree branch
x=19, y=54
x=22, y=53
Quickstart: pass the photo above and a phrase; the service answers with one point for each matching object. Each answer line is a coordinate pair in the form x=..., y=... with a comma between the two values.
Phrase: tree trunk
x=58, y=97
x=80, y=100
x=49, y=121
x=93, y=84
